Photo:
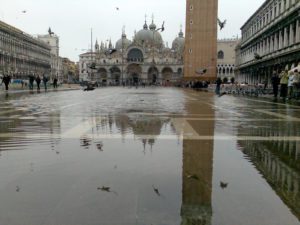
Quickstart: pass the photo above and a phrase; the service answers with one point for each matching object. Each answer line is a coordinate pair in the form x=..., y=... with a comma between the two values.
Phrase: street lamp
x=162, y=28
x=122, y=65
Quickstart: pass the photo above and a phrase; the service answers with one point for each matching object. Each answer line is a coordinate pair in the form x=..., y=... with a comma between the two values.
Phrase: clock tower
x=200, y=56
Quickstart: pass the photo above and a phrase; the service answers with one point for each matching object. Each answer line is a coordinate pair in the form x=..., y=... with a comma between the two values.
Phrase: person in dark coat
x=55, y=82
x=38, y=82
x=31, y=80
x=45, y=80
x=6, y=80
x=218, y=86
x=275, y=80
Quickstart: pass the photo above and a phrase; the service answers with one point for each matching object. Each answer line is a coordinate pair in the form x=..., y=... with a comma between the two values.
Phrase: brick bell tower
x=200, y=55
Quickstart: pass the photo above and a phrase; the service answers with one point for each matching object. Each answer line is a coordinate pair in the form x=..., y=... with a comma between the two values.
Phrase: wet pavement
x=148, y=156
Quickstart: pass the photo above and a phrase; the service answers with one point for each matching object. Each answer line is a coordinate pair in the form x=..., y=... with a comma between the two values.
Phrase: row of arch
x=225, y=69
x=135, y=71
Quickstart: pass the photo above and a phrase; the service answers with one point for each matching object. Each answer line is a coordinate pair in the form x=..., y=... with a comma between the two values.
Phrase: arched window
x=220, y=55
x=135, y=55
x=179, y=71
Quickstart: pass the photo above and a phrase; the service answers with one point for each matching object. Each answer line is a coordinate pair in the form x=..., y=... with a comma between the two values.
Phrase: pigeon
x=223, y=185
x=24, y=11
x=257, y=56
x=194, y=176
x=50, y=31
x=103, y=188
x=17, y=188
x=221, y=24
x=110, y=51
x=106, y=189
x=117, y=8
x=99, y=146
x=156, y=190
x=163, y=27
x=201, y=71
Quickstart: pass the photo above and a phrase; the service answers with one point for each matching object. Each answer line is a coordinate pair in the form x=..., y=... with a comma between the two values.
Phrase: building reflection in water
x=143, y=127
x=279, y=164
x=197, y=172
x=197, y=182
x=196, y=208
x=18, y=123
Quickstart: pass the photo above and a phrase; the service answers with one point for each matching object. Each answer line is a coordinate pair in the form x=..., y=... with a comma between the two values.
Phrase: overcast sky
x=72, y=20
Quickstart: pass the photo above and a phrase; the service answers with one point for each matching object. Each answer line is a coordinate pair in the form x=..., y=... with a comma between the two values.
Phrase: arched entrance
x=115, y=75
x=134, y=72
x=167, y=74
x=153, y=75
x=102, y=75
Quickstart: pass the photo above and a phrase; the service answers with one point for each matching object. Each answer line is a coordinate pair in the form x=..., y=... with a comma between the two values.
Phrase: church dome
x=178, y=43
x=152, y=26
x=123, y=42
x=148, y=36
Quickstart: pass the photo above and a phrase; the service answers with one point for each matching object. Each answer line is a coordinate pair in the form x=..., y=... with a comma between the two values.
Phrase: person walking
x=45, y=80
x=55, y=82
x=296, y=84
x=218, y=86
x=38, y=82
x=275, y=82
x=31, y=80
x=291, y=85
x=284, y=79
x=6, y=80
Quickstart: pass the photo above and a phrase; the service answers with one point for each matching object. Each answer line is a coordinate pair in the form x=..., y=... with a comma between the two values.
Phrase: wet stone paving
x=148, y=156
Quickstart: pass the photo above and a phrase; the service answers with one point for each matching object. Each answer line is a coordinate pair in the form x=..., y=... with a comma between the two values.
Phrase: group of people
x=31, y=79
x=289, y=82
x=38, y=81
x=197, y=84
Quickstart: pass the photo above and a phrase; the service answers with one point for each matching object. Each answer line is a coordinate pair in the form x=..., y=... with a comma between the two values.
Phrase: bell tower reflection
x=196, y=206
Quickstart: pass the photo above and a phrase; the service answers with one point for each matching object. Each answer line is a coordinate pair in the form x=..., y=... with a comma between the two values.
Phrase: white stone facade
x=145, y=59
x=226, y=58
x=270, y=40
x=21, y=54
x=56, y=61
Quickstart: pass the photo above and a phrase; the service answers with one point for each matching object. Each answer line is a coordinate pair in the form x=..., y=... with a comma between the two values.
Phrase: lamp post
x=162, y=28
x=91, y=69
x=122, y=69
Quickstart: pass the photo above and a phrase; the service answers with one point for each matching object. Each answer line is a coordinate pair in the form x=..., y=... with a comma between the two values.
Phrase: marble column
x=297, y=31
x=280, y=40
x=291, y=42
x=285, y=37
x=276, y=42
x=282, y=6
x=272, y=38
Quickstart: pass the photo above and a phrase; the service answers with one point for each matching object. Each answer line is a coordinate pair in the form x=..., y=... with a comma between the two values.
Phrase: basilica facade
x=144, y=59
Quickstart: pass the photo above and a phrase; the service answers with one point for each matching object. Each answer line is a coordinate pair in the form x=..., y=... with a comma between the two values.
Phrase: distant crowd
x=37, y=79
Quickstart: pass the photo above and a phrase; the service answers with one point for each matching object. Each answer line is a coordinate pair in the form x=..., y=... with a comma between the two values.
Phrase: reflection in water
x=17, y=121
x=279, y=163
x=197, y=174
x=144, y=127
x=197, y=182
x=85, y=142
